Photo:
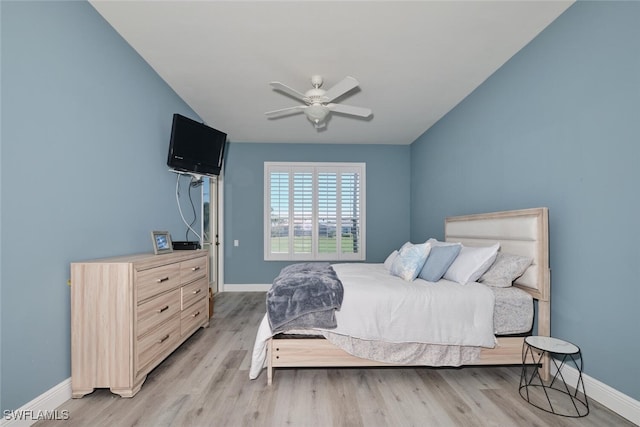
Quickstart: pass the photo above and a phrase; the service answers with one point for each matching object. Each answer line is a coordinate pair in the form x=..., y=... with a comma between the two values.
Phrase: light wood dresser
x=129, y=313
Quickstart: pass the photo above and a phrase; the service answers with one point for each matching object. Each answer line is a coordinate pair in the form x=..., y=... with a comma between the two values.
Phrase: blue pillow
x=410, y=260
x=438, y=262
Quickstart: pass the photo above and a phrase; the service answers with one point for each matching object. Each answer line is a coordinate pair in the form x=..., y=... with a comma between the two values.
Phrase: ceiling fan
x=318, y=101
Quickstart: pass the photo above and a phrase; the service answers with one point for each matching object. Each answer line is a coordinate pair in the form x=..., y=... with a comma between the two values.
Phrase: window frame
x=314, y=168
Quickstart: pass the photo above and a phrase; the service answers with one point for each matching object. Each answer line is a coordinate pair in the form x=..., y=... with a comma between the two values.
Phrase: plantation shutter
x=314, y=211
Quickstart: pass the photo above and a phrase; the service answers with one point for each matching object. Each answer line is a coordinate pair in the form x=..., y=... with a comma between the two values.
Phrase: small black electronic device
x=190, y=245
x=195, y=147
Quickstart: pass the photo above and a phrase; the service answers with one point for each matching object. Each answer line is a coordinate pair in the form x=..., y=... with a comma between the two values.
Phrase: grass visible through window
x=302, y=244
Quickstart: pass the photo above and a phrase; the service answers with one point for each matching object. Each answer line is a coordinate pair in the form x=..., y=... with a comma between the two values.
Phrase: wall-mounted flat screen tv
x=195, y=147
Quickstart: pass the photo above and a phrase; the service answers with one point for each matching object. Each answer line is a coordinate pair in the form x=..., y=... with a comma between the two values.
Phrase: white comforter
x=381, y=307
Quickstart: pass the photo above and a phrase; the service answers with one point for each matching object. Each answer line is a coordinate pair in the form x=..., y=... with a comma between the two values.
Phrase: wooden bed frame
x=523, y=232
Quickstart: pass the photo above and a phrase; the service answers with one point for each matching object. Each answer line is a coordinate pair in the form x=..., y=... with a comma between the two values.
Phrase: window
x=314, y=211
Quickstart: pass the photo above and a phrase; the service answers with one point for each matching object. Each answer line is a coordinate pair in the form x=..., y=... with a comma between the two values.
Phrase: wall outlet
x=236, y=243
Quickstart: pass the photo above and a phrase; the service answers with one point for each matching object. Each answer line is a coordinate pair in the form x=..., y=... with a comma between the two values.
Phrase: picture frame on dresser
x=161, y=242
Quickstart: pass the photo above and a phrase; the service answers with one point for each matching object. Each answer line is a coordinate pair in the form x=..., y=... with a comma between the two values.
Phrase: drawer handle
x=163, y=339
x=197, y=291
x=195, y=268
x=164, y=279
x=165, y=308
x=196, y=314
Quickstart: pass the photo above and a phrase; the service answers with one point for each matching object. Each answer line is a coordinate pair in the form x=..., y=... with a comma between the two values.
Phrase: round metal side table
x=534, y=390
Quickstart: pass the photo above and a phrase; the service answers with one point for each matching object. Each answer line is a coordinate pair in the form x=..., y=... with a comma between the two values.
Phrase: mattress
x=512, y=311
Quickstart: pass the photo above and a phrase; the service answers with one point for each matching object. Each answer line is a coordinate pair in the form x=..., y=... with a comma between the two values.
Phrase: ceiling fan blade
x=289, y=91
x=286, y=111
x=350, y=109
x=342, y=87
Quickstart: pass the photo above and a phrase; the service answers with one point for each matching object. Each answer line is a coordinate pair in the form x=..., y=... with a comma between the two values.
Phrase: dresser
x=129, y=313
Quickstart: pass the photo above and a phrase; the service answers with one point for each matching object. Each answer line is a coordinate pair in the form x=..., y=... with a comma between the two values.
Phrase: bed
x=520, y=232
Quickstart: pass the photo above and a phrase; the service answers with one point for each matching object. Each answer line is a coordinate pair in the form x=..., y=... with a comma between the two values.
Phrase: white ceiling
x=414, y=60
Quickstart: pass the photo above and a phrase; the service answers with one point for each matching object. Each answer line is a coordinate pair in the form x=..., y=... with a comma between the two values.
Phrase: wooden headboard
x=521, y=232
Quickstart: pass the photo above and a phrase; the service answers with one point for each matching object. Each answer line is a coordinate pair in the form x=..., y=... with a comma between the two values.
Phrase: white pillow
x=410, y=261
x=389, y=261
x=471, y=263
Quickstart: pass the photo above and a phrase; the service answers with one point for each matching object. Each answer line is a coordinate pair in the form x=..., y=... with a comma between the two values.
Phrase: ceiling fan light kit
x=316, y=113
x=318, y=101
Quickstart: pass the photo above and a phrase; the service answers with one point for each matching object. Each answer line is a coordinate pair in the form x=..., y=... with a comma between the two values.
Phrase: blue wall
x=387, y=198
x=557, y=126
x=85, y=132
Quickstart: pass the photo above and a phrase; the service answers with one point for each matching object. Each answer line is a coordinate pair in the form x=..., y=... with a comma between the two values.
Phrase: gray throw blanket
x=303, y=296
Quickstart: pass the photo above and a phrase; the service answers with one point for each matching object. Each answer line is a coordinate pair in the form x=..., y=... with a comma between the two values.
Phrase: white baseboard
x=228, y=287
x=616, y=401
x=41, y=408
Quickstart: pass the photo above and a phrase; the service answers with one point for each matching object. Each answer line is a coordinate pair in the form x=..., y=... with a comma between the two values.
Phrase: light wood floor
x=206, y=383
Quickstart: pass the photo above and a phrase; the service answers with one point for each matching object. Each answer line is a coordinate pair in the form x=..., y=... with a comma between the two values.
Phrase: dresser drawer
x=193, y=292
x=193, y=317
x=157, y=342
x=157, y=280
x=193, y=269
x=157, y=310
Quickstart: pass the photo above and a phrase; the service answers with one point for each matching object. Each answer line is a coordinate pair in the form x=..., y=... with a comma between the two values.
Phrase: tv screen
x=195, y=147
